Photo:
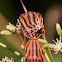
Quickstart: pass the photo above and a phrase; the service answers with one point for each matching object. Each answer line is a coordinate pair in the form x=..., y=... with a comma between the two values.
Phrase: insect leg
x=24, y=41
x=20, y=35
x=42, y=20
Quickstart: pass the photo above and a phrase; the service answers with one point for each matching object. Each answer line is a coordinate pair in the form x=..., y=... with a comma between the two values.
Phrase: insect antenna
x=23, y=6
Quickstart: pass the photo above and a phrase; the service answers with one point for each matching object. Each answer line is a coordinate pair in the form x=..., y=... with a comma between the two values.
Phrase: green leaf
x=48, y=45
x=42, y=41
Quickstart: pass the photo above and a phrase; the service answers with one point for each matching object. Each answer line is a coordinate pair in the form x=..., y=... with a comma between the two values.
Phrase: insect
x=31, y=23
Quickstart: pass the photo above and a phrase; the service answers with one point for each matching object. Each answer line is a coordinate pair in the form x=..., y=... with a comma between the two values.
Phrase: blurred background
x=10, y=10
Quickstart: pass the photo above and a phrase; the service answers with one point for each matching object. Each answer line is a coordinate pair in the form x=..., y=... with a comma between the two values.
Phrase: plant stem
x=60, y=38
x=47, y=57
x=48, y=51
x=50, y=55
x=23, y=6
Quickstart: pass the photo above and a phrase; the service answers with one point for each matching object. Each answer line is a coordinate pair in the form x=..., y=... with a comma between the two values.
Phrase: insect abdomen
x=34, y=52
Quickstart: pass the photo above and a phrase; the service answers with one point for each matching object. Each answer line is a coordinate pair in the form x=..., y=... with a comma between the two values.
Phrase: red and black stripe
x=34, y=51
x=25, y=20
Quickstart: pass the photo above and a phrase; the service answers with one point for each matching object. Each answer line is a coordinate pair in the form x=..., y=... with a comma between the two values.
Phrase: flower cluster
x=6, y=59
x=11, y=27
x=57, y=46
x=22, y=59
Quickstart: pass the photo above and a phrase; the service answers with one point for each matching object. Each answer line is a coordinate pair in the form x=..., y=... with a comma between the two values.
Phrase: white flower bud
x=6, y=32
